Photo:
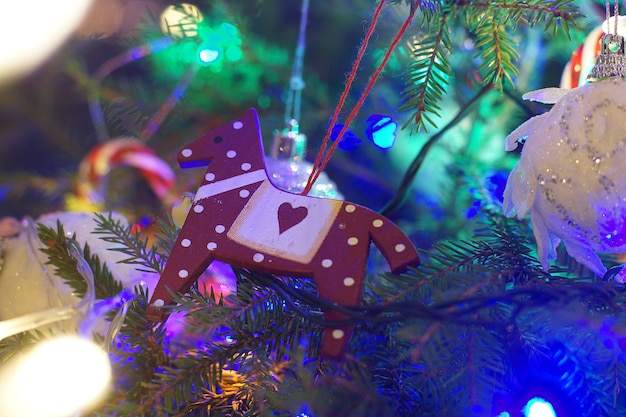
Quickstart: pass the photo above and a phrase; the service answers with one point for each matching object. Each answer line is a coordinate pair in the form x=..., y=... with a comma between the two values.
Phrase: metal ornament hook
x=612, y=59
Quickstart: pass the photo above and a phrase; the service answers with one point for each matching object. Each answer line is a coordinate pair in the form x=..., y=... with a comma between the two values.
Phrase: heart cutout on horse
x=289, y=216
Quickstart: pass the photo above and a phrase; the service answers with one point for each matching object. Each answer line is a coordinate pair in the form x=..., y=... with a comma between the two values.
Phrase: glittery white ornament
x=571, y=174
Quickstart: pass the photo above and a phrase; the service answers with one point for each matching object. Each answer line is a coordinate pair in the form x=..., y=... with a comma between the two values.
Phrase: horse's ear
x=251, y=116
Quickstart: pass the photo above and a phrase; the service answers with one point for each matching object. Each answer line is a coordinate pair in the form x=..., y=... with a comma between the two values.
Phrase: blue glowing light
x=381, y=130
x=504, y=414
x=304, y=412
x=349, y=141
x=208, y=55
x=539, y=407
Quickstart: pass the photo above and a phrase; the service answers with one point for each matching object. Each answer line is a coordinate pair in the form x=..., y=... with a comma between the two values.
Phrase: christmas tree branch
x=555, y=14
x=428, y=77
x=497, y=52
x=129, y=244
x=56, y=247
x=414, y=167
x=492, y=25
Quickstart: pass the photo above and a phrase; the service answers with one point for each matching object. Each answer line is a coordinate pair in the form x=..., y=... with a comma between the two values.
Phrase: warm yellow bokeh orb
x=57, y=378
x=181, y=21
x=32, y=30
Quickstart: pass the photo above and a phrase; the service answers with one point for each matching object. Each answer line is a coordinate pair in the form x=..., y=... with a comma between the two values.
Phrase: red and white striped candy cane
x=123, y=152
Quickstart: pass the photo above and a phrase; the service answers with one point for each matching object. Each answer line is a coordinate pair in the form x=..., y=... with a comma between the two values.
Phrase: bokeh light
x=539, y=407
x=181, y=21
x=57, y=378
x=32, y=30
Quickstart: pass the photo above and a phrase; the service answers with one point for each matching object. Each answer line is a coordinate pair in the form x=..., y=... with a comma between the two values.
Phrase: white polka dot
x=237, y=125
x=246, y=166
x=327, y=263
x=158, y=303
x=353, y=241
x=198, y=208
x=244, y=193
x=211, y=246
x=338, y=334
x=231, y=154
x=185, y=243
x=377, y=223
x=348, y=281
x=350, y=208
x=219, y=228
x=183, y=273
x=400, y=247
x=258, y=257
x=186, y=153
x=209, y=176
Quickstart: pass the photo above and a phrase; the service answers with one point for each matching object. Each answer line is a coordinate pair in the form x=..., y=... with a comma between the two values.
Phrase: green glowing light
x=264, y=101
x=234, y=53
x=230, y=30
x=223, y=40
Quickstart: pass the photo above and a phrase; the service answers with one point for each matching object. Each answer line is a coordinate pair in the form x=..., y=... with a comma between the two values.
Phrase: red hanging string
x=343, y=97
x=322, y=158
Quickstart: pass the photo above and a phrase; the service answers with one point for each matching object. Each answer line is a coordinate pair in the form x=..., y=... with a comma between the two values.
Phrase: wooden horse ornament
x=239, y=217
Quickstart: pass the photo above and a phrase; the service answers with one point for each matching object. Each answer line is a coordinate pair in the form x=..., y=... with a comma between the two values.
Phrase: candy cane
x=123, y=152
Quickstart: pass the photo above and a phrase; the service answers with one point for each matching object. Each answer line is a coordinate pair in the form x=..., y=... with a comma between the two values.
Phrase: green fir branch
x=141, y=350
x=256, y=315
x=56, y=248
x=414, y=368
x=493, y=25
x=428, y=77
x=165, y=234
x=13, y=346
x=124, y=117
x=497, y=51
x=554, y=14
x=131, y=244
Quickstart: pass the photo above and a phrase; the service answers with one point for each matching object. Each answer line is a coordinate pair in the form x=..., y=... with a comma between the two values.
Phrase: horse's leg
x=340, y=277
x=339, y=270
x=395, y=246
x=187, y=261
x=342, y=286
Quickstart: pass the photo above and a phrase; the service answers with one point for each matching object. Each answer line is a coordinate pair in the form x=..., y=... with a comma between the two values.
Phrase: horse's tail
x=395, y=246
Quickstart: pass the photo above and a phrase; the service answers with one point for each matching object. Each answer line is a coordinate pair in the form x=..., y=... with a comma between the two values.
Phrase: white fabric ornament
x=570, y=176
x=28, y=285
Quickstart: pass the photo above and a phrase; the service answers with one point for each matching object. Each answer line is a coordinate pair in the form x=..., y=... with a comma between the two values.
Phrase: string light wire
x=296, y=83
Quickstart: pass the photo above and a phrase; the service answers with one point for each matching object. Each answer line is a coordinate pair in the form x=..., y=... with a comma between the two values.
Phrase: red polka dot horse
x=239, y=217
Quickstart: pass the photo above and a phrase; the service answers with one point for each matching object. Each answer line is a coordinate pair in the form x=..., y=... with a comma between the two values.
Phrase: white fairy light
x=57, y=378
x=32, y=30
